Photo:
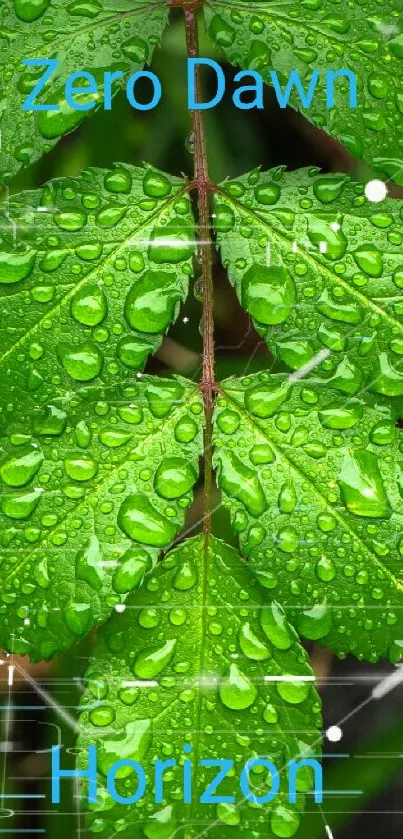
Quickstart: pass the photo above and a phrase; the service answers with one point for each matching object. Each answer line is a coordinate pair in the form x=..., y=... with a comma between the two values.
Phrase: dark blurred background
x=363, y=771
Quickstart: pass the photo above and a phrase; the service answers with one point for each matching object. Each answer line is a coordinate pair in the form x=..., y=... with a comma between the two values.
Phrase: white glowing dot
x=185, y=320
x=334, y=733
x=120, y=607
x=335, y=226
x=376, y=191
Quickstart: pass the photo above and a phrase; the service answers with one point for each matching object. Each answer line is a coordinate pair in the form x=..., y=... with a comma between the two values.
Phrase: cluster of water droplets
x=89, y=36
x=183, y=667
x=91, y=280
x=367, y=40
x=320, y=270
x=314, y=485
x=91, y=490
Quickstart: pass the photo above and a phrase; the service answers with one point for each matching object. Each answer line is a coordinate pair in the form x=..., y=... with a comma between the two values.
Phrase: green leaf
x=308, y=35
x=92, y=490
x=320, y=270
x=91, y=36
x=314, y=485
x=186, y=665
x=92, y=272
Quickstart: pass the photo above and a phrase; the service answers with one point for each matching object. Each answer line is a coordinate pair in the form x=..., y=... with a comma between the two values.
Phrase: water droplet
x=172, y=243
x=264, y=400
x=151, y=302
x=78, y=618
x=341, y=416
x=383, y=433
x=228, y=814
x=315, y=623
x=174, y=477
x=20, y=506
x=221, y=32
x=81, y=363
x=335, y=310
x=89, y=564
x=287, y=540
x=19, y=469
x=268, y=293
x=361, y=485
x=30, y=10
x=133, y=351
x=16, y=265
x=185, y=577
x=236, y=691
x=287, y=498
x=251, y=645
x=386, y=379
x=322, y=228
x=284, y=822
x=293, y=692
x=80, y=467
x=228, y=421
x=133, y=566
x=185, y=430
x=143, y=523
x=240, y=482
x=153, y=659
x=119, y=180
x=274, y=624
x=369, y=260
x=113, y=437
x=50, y=422
x=102, y=716
x=89, y=305
x=156, y=185
x=325, y=569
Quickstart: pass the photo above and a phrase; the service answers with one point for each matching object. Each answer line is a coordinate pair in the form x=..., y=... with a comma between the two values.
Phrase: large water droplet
x=264, y=400
x=172, y=243
x=133, y=566
x=152, y=660
x=151, y=302
x=81, y=363
x=89, y=564
x=174, y=477
x=386, y=379
x=30, y=10
x=369, y=260
x=156, y=185
x=251, y=645
x=16, y=265
x=50, y=422
x=19, y=469
x=274, y=624
x=89, y=305
x=236, y=691
x=268, y=293
x=361, y=485
x=315, y=623
x=240, y=482
x=143, y=523
x=20, y=506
